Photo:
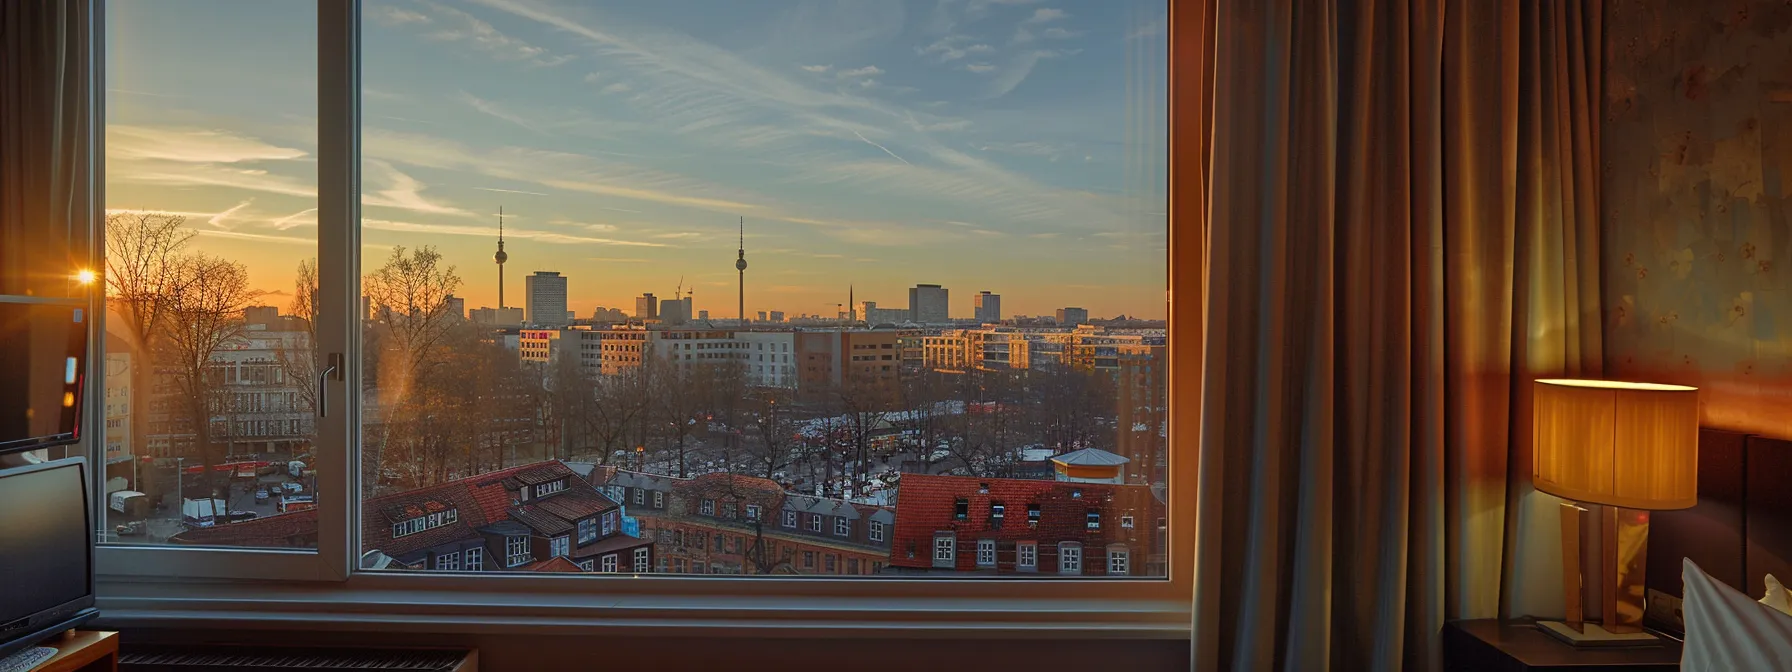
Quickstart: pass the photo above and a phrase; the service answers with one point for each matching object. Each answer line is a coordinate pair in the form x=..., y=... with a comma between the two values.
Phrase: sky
x=1014, y=146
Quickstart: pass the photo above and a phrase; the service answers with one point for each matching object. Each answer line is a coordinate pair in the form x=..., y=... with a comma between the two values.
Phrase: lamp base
x=1594, y=636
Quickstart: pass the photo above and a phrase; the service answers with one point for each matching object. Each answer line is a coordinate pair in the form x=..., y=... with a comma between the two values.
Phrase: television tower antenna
x=501, y=256
x=740, y=267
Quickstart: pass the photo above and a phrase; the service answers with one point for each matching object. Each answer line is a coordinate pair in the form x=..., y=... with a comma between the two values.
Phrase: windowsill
x=500, y=609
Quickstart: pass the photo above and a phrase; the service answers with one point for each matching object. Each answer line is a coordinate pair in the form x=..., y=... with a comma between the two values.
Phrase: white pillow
x=1726, y=631
x=1777, y=597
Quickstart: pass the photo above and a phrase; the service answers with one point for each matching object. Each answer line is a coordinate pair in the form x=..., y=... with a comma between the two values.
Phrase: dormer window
x=428, y=521
x=708, y=507
x=752, y=512
x=961, y=509
x=545, y=489
x=1032, y=514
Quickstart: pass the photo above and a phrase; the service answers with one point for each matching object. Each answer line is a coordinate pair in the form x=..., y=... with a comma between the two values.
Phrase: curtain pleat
x=45, y=98
x=1400, y=220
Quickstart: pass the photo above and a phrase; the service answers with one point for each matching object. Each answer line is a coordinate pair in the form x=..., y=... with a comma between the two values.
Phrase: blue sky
x=1015, y=146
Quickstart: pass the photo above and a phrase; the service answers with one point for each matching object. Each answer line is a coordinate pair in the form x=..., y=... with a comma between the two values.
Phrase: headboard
x=1740, y=531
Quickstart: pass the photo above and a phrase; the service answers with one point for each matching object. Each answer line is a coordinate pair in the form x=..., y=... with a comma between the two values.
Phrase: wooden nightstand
x=82, y=651
x=1517, y=646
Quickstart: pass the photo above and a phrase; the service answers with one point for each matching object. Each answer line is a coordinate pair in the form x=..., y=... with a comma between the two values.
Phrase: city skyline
x=953, y=143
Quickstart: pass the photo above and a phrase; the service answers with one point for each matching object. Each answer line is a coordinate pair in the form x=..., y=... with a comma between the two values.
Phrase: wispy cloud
x=867, y=71
x=404, y=192
x=979, y=68
x=886, y=149
x=190, y=145
x=509, y=232
x=953, y=47
x=297, y=219
x=616, y=88
x=222, y=219
x=258, y=237
x=817, y=68
x=509, y=191
x=617, y=260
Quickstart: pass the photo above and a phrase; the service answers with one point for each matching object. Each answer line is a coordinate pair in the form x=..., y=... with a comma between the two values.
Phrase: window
x=944, y=549
x=609, y=524
x=877, y=530
x=549, y=488
x=1094, y=516
x=559, y=546
x=986, y=552
x=640, y=496
x=1117, y=561
x=709, y=507
x=642, y=559
x=1032, y=514
x=961, y=509
x=842, y=526
x=1126, y=522
x=587, y=531
x=830, y=558
x=475, y=559
x=752, y=512
x=814, y=522
x=588, y=565
x=1026, y=556
x=448, y=561
x=609, y=563
x=659, y=499
x=809, y=559
x=790, y=519
x=1070, y=558
x=516, y=551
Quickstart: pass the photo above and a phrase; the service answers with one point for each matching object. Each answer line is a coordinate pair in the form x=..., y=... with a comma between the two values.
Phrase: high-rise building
x=545, y=297
x=675, y=311
x=988, y=307
x=646, y=307
x=1072, y=316
x=260, y=314
x=927, y=304
x=777, y=316
x=457, y=307
x=496, y=317
x=761, y=316
x=603, y=314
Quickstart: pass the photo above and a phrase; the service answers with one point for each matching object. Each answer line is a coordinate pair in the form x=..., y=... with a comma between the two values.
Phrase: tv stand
x=82, y=651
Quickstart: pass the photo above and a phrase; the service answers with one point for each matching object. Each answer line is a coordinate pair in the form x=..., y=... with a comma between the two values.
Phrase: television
x=46, y=552
x=43, y=354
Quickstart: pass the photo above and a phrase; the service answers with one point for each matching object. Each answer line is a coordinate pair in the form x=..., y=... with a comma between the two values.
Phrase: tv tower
x=740, y=266
x=500, y=257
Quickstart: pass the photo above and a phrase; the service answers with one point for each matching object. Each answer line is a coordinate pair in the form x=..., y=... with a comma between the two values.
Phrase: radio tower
x=500, y=257
x=740, y=265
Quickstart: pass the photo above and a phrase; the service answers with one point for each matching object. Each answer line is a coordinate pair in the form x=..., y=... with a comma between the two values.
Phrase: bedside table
x=1518, y=646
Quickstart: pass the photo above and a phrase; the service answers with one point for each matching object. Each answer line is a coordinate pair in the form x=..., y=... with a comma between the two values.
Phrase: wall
x=1696, y=193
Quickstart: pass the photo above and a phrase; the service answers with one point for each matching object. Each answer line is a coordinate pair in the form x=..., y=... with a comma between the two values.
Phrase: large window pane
x=930, y=243
x=211, y=272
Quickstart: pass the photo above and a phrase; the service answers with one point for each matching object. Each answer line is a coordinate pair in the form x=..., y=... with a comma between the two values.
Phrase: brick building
x=734, y=524
x=1016, y=526
x=516, y=519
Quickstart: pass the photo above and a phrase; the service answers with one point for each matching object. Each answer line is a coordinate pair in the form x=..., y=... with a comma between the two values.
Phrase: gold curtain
x=1401, y=232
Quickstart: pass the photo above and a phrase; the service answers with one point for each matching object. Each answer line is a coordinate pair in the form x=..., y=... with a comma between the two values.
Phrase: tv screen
x=46, y=551
x=43, y=346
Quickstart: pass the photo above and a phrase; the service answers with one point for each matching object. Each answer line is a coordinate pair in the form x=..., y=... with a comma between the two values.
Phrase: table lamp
x=1626, y=449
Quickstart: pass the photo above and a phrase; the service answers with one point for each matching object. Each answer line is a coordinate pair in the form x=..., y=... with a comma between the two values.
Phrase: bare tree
x=410, y=293
x=1066, y=406
x=927, y=414
x=867, y=402
x=680, y=406
x=143, y=253
x=773, y=425
x=303, y=363
x=201, y=316
x=616, y=408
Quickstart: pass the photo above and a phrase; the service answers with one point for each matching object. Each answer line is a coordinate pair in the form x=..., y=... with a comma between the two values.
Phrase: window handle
x=332, y=372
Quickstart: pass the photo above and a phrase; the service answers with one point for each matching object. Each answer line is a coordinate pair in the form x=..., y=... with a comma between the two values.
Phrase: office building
x=988, y=307
x=497, y=317
x=647, y=307
x=675, y=311
x=928, y=304
x=457, y=307
x=546, y=299
x=1072, y=316
x=870, y=314
x=777, y=317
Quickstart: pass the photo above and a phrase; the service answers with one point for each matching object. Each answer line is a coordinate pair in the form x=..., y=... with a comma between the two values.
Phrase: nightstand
x=1517, y=646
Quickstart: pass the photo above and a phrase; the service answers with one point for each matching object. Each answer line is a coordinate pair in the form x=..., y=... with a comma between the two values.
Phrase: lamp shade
x=1634, y=445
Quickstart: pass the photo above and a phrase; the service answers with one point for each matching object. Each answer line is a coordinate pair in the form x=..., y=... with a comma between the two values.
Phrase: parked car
x=240, y=516
x=292, y=488
x=130, y=529
x=261, y=496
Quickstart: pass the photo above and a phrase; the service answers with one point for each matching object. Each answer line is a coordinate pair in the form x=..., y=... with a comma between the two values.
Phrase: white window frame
x=558, y=546
x=474, y=559
x=1070, y=558
x=752, y=512
x=790, y=519
x=172, y=585
x=986, y=552
x=448, y=562
x=659, y=499
x=707, y=507
x=876, y=531
x=608, y=565
x=587, y=530
x=842, y=526
x=643, y=560
x=640, y=496
x=517, y=552
x=1119, y=560
x=1026, y=556
x=945, y=549
x=814, y=522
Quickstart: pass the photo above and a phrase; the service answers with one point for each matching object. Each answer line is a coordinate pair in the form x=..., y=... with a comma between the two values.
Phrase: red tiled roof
x=619, y=542
x=296, y=529
x=928, y=504
x=558, y=563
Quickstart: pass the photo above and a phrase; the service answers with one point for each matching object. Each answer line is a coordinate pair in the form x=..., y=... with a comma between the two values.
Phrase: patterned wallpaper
x=1697, y=199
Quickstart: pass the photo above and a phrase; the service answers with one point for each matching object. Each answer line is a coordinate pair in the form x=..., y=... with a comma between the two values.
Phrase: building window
x=587, y=531
x=709, y=507
x=1117, y=561
x=549, y=488
x=961, y=509
x=659, y=499
x=842, y=526
x=559, y=546
x=852, y=565
x=1032, y=514
x=830, y=563
x=1126, y=522
x=640, y=496
x=588, y=565
x=809, y=559
x=1070, y=558
x=609, y=563
x=752, y=512
x=815, y=522
x=1026, y=556
x=642, y=558
x=986, y=552
x=516, y=551
x=448, y=561
x=475, y=559
x=945, y=549
x=877, y=530
x=1094, y=519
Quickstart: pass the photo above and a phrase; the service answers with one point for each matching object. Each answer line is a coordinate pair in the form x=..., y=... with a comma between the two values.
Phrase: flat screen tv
x=46, y=552
x=43, y=357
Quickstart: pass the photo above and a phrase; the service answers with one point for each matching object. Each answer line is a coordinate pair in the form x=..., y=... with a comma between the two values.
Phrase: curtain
x=46, y=100
x=1401, y=233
